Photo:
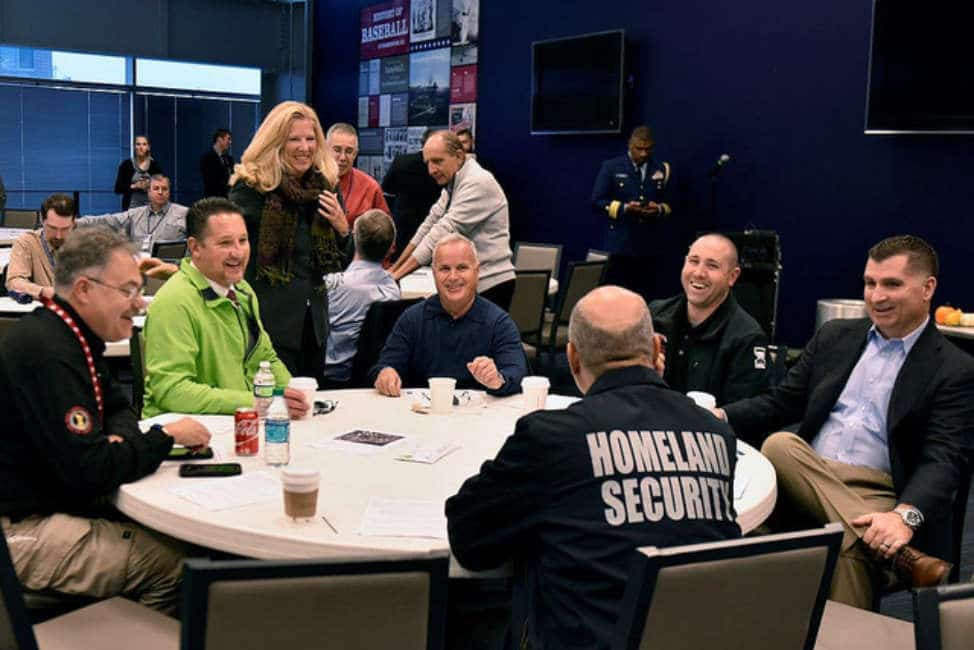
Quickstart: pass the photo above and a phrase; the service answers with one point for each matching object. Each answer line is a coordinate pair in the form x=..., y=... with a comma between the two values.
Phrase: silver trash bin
x=838, y=308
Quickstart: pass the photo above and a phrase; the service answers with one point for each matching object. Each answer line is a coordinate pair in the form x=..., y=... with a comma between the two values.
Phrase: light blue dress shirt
x=855, y=432
x=350, y=294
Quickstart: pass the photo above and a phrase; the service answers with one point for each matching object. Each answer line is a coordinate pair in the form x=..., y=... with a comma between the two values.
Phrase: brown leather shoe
x=916, y=569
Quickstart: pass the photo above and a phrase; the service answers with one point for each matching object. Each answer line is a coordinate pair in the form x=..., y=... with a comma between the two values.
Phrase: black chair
x=394, y=603
x=109, y=624
x=379, y=320
x=169, y=251
x=754, y=592
x=582, y=278
x=527, y=308
x=943, y=617
x=530, y=256
x=18, y=218
x=756, y=290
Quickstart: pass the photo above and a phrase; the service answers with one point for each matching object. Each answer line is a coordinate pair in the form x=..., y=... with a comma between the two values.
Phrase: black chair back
x=528, y=303
x=18, y=218
x=396, y=603
x=137, y=354
x=943, y=617
x=16, y=630
x=378, y=323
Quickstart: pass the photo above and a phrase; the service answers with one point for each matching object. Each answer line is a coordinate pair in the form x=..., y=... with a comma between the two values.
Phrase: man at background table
x=455, y=333
x=886, y=406
x=352, y=291
x=30, y=271
x=204, y=340
x=573, y=492
x=70, y=436
x=713, y=345
x=413, y=190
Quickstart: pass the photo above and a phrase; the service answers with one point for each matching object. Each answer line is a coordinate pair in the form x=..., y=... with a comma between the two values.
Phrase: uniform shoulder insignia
x=760, y=358
x=78, y=420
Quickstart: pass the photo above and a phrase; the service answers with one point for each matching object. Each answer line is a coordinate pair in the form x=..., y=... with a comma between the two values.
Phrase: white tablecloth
x=349, y=480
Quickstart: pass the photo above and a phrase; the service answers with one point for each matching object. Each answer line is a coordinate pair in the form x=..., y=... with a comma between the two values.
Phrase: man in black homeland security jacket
x=713, y=345
x=573, y=492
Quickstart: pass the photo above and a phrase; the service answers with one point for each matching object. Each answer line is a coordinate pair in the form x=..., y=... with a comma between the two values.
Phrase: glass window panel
x=197, y=76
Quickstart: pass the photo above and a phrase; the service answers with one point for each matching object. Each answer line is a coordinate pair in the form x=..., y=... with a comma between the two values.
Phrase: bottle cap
x=278, y=392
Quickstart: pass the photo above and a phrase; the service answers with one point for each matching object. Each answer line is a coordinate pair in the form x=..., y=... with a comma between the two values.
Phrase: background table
x=420, y=284
x=348, y=481
x=8, y=235
x=11, y=308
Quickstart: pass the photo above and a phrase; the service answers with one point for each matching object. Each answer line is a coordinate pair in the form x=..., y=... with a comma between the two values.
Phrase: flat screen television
x=576, y=84
x=921, y=67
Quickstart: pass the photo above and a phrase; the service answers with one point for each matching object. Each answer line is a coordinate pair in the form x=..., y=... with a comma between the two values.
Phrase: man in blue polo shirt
x=455, y=333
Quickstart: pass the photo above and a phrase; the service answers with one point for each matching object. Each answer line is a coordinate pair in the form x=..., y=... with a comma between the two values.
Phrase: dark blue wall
x=780, y=87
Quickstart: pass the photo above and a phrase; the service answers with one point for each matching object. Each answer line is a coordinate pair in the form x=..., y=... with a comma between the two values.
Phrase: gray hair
x=450, y=142
x=374, y=234
x=453, y=238
x=341, y=127
x=87, y=250
x=598, y=348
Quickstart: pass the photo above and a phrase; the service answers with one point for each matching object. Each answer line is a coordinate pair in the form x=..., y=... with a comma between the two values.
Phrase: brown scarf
x=278, y=227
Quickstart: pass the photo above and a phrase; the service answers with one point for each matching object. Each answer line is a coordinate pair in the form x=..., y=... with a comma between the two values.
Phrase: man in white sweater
x=472, y=204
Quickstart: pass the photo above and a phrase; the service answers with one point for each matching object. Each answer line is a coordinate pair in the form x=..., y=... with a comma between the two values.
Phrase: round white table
x=349, y=480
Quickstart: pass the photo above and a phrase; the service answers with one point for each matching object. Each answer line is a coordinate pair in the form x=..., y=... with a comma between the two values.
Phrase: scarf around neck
x=283, y=209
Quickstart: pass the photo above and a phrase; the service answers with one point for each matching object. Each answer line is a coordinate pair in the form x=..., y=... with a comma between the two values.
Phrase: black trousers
x=309, y=360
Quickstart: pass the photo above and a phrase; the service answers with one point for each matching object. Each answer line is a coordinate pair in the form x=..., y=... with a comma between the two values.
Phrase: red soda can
x=246, y=428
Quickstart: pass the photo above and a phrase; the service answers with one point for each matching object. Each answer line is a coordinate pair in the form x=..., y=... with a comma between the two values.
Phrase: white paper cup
x=703, y=400
x=300, y=491
x=441, y=394
x=535, y=391
x=307, y=386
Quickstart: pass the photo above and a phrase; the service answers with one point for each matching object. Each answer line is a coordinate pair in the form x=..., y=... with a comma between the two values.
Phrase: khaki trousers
x=825, y=491
x=96, y=557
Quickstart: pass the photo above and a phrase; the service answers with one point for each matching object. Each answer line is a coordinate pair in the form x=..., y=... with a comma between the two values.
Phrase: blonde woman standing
x=286, y=185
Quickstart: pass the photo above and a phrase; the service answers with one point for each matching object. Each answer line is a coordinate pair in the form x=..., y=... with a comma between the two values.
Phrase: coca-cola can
x=246, y=428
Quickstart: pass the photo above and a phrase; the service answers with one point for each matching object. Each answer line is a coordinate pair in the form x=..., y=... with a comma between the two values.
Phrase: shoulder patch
x=78, y=420
x=760, y=358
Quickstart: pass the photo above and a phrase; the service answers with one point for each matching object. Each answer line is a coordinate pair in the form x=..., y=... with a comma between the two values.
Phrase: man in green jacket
x=204, y=339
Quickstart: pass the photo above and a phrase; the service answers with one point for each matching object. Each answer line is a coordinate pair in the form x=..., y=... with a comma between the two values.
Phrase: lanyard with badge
x=48, y=251
x=147, y=239
x=89, y=358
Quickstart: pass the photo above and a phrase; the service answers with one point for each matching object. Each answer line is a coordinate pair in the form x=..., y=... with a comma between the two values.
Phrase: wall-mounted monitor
x=576, y=84
x=921, y=67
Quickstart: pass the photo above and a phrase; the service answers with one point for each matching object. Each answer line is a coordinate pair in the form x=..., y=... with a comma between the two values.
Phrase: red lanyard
x=56, y=308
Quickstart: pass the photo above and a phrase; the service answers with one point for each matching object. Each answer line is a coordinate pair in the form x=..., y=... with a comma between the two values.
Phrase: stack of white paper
x=404, y=518
x=225, y=493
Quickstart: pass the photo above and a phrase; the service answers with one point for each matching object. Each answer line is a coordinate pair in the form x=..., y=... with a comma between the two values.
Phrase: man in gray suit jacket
x=886, y=406
x=160, y=220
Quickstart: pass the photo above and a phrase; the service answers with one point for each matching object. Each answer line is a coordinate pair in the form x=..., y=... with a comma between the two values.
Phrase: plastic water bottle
x=264, y=383
x=277, y=431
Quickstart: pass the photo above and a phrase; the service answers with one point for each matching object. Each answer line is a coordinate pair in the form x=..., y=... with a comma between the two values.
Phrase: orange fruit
x=940, y=315
x=953, y=318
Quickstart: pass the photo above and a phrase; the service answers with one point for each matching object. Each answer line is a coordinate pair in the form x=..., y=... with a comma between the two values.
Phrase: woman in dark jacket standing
x=132, y=180
x=287, y=186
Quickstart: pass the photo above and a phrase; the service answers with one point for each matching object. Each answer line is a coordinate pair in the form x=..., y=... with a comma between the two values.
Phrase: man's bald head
x=610, y=328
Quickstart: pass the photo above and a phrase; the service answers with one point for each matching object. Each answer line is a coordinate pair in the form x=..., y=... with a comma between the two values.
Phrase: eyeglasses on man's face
x=130, y=292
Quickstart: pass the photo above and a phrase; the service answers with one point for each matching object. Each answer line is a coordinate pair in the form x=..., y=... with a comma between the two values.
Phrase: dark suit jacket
x=215, y=173
x=930, y=421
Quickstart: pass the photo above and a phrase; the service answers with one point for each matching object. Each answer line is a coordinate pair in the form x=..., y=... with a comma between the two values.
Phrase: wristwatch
x=911, y=517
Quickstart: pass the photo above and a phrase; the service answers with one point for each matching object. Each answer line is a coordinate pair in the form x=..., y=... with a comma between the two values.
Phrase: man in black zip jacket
x=713, y=345
x=70, y=436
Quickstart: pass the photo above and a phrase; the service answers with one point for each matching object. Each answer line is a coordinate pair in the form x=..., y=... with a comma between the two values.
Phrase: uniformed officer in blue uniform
x=631, y=193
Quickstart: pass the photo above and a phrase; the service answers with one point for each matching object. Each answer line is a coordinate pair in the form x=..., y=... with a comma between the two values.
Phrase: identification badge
x=147, y=243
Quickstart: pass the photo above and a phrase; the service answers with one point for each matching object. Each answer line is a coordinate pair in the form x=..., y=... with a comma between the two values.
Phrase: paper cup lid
x=535, y=381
